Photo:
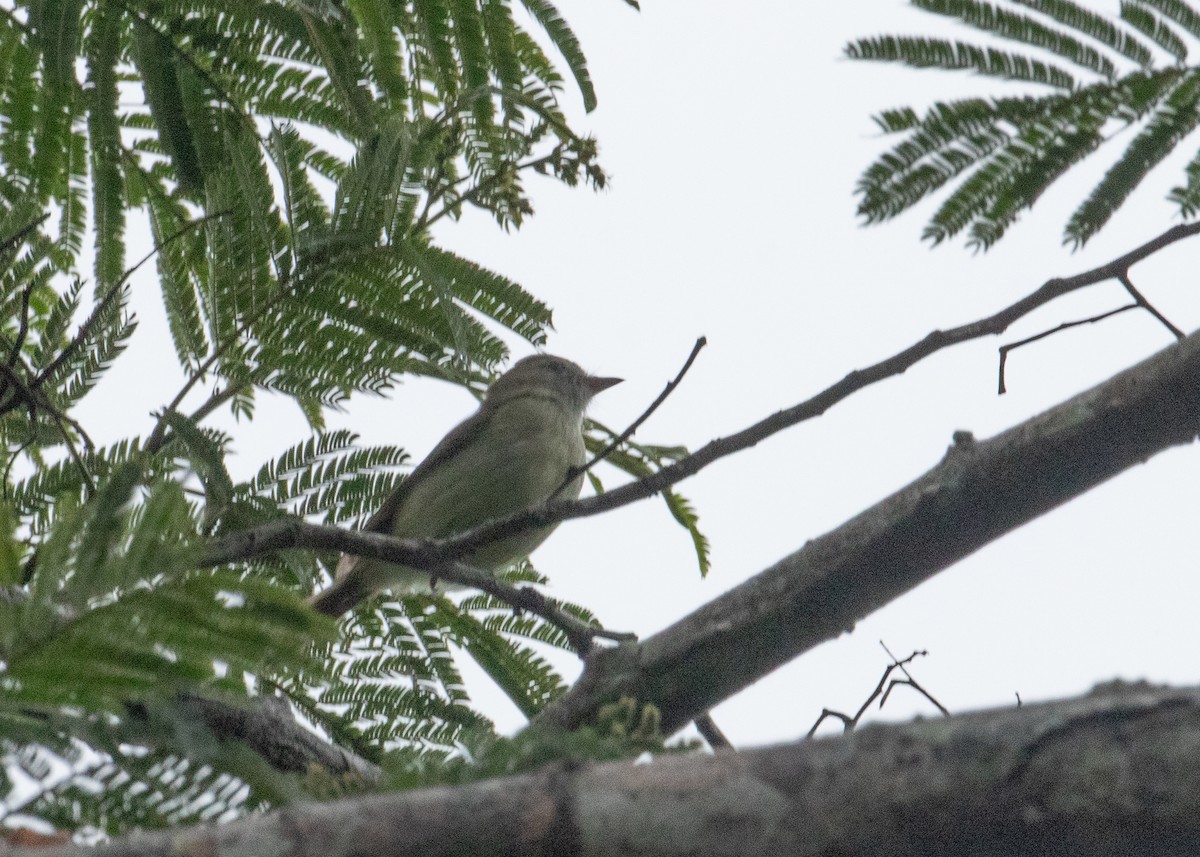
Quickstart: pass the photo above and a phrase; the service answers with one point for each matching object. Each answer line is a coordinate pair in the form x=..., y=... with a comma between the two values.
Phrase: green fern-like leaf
x=1155, y=28
x=157, y=66
x=108, y=192
x=568, y=45
x=1187, y=196
x=1179, y=12
x=527, y=679
x=1000, y=155
x=940, y=53
x=55, y=26
x=1096, y=26
x=1175, y=119
x=378, y=27
x=1161, y=33
x=1021, y=28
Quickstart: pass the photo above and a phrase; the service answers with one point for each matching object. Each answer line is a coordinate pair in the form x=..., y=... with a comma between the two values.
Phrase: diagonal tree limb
x=268, y=727
x=980, y=491
x=1110, y=774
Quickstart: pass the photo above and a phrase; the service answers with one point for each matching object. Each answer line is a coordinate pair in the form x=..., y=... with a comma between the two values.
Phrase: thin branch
x=27, y=293
x=1147, y=306
x=84, y=331
x=910, y=681
x=636, y=424
x=36, y=401
x=436, y=191
x=415, y=553
x=12, y=460
x=430, y=554
x=937, y=340
x=158, y=435
x=711, y=732
x=217, y=399
x=23, y=330
x=17, y=237
x=1066, y=325
x=268, y=726
x=881, y=692
x=474, y=193
x=89, y=481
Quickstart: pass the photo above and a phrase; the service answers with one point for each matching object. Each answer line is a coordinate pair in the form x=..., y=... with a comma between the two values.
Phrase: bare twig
x=881, y=692
x=1147, y=306
x=711, y=732
x=636, y=424
x=1066, y=325
x=910, y=681
x=23, y=330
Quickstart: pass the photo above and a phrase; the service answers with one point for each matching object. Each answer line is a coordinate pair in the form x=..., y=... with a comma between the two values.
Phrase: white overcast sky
x=734, y=133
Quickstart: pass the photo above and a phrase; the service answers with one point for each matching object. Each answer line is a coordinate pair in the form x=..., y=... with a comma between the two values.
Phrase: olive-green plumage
x=512, y=454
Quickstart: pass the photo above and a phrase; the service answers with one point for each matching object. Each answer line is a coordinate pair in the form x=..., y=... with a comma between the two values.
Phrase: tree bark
x=268, y=727
x=1116, y=772
x=980, y=491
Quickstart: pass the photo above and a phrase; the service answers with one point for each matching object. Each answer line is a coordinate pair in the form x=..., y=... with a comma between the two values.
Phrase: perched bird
x=514, y=453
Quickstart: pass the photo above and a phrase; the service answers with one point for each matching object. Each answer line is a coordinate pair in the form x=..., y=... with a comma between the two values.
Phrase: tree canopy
x=289, y=159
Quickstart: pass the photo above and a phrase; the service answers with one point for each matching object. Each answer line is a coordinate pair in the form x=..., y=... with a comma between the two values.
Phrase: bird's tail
x=340, y=597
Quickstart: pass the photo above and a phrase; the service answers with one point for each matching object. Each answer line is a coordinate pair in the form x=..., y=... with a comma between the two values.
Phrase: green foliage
x=1001, y=154
x=622, y=730
x=939, y=53
x=1161, y=33
x=290, y=160
x=392, y=681
x=640, y=460
x=116, y=626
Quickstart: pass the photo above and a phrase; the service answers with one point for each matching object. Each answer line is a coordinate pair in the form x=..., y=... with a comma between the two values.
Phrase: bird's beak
x=596, y=385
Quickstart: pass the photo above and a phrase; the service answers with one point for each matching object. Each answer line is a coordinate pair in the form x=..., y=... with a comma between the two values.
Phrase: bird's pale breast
x=517, y=460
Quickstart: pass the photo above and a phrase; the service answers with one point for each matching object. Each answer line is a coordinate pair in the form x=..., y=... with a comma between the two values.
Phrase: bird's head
x=545, y=374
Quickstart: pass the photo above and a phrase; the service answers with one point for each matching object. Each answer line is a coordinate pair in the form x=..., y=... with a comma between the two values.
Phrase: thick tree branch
x=1112, y=773
x=268, y=727
x=979, y=492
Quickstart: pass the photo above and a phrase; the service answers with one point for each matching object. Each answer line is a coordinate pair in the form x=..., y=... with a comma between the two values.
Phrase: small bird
x=514, y=453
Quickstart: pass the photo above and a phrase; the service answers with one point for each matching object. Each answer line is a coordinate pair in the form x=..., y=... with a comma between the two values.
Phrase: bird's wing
x=459, y=438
